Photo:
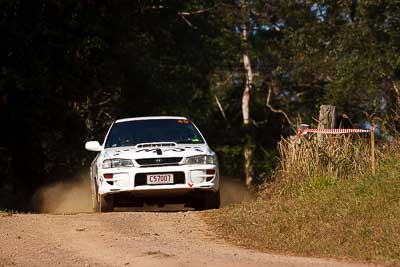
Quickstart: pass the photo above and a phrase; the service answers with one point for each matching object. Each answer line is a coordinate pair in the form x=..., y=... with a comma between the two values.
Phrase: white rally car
x=154, y=160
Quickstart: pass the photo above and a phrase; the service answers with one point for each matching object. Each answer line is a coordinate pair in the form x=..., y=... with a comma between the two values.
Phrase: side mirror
x=93, y=146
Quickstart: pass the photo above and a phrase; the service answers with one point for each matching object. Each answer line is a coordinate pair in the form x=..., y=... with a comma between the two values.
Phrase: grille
x=154, y=162
x=141, y=178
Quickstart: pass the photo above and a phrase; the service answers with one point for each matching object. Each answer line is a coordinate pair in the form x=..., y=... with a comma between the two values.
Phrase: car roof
x=152, y=118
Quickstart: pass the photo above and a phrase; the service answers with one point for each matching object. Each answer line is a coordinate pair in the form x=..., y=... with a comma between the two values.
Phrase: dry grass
x=340, y=157
x=327, y=204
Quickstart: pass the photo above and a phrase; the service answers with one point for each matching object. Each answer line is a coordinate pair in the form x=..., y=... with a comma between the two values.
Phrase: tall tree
x=248, y=147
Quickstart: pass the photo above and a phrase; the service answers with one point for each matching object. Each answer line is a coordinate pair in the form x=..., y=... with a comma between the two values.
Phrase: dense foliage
x=69, y=68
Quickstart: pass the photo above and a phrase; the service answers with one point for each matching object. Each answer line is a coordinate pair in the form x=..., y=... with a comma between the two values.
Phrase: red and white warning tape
x=332, y=131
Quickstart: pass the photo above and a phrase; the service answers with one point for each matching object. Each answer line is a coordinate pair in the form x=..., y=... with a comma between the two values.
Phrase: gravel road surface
x=127, y=239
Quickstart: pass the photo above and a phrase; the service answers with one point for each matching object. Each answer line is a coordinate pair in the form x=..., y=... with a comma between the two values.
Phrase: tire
x=106, y=203
x=208, y=200
x=95, y=198
x=101, y=203
x=214, y=200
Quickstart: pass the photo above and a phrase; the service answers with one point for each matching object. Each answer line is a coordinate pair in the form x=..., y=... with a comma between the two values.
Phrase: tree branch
x=396, y=88
x=221, y=109
x=108, y=100
x=187, y=21
x=277, y=110
x=183, y=15
x=200, y=11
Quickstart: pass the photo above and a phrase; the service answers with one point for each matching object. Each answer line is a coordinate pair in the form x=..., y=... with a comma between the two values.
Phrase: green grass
x=356, y=218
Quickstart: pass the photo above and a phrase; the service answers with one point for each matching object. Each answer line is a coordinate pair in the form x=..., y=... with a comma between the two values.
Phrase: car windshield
x=130, y=133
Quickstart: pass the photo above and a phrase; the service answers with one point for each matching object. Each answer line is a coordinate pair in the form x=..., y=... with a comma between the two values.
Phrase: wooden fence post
x=327, y=120
x=373, y=150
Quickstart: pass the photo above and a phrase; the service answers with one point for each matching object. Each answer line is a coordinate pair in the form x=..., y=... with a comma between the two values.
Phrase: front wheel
x=106, y=203
x=208, y=200
x=95, y=198
x=101, y=203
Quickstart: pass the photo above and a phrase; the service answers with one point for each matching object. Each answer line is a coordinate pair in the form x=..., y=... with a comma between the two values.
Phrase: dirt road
x=126, y=239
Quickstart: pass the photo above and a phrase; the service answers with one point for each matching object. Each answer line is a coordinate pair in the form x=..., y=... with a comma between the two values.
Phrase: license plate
x=166, y=178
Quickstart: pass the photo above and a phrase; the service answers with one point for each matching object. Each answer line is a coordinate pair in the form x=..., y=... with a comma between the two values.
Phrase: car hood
x=132, y=152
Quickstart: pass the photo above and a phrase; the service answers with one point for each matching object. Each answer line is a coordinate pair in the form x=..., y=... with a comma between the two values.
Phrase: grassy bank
x=327, y=215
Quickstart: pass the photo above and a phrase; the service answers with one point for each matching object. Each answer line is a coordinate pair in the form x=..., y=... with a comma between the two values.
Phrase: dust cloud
x=64, y=197
x=75, y=196
x=233, y=191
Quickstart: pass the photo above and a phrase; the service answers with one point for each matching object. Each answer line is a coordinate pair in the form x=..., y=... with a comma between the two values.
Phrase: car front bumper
x=127, y=180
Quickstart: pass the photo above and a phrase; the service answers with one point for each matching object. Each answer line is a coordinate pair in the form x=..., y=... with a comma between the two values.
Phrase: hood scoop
x=156, y=145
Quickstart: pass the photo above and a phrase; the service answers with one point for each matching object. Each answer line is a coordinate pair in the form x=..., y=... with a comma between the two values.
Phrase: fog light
x=122, y=179
x=197, y=176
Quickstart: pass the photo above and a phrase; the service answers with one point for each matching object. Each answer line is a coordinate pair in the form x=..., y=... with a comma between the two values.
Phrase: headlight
x=116, y=163
x=203, y=159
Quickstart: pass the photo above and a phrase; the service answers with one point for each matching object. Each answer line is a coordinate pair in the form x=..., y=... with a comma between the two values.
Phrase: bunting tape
x=332, y=131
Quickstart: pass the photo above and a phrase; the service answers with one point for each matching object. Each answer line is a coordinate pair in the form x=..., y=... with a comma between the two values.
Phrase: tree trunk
x=327, y=120
x=396, y=87
x=248, y=147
